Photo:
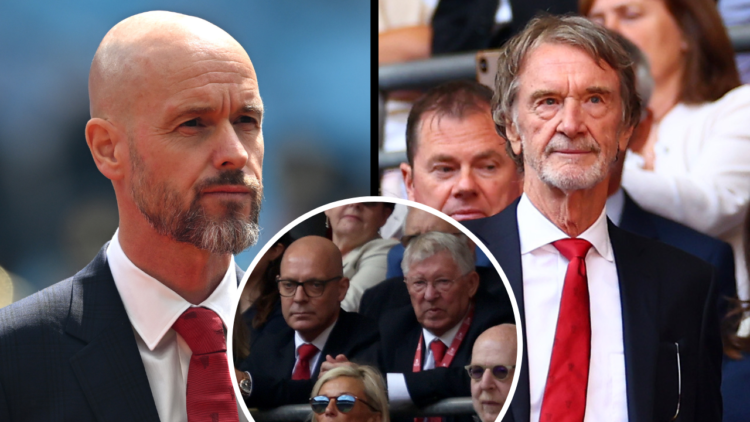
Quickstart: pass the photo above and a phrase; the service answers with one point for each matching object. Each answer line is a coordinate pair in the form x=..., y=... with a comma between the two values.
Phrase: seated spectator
x=626, y=214
x=354, y=230
x=457, y=162
x=350, y=393
x=426, y=346
x=283, y=365
x=418, y=222
x=695, y=166
x=259, y=302
x=392, y=293
x=493, y=363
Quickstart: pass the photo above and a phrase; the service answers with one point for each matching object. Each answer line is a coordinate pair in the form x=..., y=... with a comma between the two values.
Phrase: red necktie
x=438, y=351
x=568, y=377
x=210, y=395
x=302, y=370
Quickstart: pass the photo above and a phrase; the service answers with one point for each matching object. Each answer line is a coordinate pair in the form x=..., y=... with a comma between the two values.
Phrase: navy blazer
x=68, y=353
x=271, y=359
x=668, y=300
x=714, y=251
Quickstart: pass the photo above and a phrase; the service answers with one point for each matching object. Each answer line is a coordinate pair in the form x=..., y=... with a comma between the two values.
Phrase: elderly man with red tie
x=426, y=345
x=617, y=327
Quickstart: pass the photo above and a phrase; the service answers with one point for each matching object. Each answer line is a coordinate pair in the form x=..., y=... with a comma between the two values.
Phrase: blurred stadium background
x=57, y=210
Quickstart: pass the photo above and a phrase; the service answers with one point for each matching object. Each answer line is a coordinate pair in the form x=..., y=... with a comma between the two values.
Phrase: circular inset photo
x=375, y=309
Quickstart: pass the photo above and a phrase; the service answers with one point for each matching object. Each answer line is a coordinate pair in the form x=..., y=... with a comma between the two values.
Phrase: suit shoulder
x=695, y=242
x=46, y=309
x=656, y=253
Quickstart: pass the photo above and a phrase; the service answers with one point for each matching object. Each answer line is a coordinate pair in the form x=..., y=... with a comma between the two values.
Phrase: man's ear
x=408, y=173
x=473, y=283
x=511, y=132
x=343, y=288
x=108, y=147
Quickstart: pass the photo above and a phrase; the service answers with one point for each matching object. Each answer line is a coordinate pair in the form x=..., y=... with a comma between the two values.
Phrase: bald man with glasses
x=282, y=366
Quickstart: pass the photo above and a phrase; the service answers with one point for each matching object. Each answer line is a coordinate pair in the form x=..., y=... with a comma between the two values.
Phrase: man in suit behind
x=617, y=327
x=176, y=126
x=283, y=366
x=425, y=346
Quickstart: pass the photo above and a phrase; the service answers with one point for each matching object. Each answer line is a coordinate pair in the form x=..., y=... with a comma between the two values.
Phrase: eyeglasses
x=312, y=288
x=442, y=285
x=344, y=402
x=500, y=372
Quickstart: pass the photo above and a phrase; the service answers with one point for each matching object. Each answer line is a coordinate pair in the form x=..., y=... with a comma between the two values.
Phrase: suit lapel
x=500, y=234
x=336, y=341
x=639, y=297
x=109, y=368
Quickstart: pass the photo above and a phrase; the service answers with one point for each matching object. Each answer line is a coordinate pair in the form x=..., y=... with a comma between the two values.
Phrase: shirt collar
x=536, y=231
x=446, y=338
x=319, y=342
x=615, y=204
x=153, y=307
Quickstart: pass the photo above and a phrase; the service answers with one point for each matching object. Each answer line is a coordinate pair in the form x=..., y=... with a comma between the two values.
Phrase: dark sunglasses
x=344, y=402
x=500, y=372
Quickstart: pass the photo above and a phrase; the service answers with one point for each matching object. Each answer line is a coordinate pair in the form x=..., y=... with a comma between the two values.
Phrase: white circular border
x=297, y=221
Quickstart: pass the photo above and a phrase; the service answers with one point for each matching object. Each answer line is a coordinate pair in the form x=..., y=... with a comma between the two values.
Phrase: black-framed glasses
x=500, y=372
x=312, y=288
x=344, y=402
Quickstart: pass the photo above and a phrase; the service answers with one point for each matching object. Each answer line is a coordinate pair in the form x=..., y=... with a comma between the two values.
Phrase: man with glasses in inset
x=391, y=293
x=282, y=366
x=492, y=368
x=426, y=346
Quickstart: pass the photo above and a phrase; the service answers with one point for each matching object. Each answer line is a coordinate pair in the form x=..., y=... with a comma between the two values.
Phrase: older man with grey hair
x=617, y=327
x=425, y=346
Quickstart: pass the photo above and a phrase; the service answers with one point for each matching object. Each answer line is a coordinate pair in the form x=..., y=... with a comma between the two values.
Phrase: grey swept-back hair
x=431, y=243
x=574, y=31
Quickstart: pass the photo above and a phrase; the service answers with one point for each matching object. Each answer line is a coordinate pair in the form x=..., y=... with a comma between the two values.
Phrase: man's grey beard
x=584, y=180
x=230, y=233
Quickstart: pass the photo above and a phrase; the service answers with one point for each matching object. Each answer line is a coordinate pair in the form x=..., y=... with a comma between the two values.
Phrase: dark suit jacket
x=714, y=251
x=392, y=293
x=667, y=297
x=271, y=359
x=400, y=333
x=69, y=353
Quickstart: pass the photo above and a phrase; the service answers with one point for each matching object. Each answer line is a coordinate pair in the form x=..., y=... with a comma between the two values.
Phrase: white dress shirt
x=544, y=270
x=319, y=342
x=398, y=393
x=152, y=309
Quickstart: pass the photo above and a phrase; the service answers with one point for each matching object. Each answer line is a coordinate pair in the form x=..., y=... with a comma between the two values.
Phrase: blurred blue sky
x=56, y=210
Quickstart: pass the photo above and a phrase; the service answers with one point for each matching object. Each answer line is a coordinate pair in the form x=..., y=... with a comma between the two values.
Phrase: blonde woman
x=350, y=393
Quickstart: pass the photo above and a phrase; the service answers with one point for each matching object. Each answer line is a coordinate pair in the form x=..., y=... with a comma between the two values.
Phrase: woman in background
x=355, y=231
x=350, y=393
x=695, y=166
